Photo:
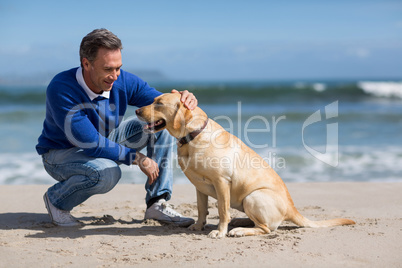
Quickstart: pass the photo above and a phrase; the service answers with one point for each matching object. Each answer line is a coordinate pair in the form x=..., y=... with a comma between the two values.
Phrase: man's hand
x=148, y=166
x=188, y=99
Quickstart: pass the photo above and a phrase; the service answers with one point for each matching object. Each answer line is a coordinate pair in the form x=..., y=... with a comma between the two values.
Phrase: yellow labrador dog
x=221, y=166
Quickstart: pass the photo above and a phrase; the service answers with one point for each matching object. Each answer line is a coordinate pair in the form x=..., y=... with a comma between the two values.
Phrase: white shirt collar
x=92, y=95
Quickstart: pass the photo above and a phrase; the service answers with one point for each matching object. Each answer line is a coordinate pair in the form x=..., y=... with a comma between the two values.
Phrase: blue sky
x=211, y=40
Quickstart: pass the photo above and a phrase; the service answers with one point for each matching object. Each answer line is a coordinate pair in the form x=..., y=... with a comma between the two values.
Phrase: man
x=83, y=141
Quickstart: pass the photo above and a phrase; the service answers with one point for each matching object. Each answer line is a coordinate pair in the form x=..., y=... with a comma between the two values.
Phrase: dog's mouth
x=155, y=126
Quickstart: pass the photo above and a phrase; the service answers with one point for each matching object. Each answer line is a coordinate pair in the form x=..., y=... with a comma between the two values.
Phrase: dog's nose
x=138, y=111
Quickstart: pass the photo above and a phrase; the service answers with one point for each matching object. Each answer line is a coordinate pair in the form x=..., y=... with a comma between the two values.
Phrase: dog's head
x=167, y=111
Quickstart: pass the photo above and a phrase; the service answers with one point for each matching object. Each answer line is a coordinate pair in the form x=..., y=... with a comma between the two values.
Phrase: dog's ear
x=183, y=115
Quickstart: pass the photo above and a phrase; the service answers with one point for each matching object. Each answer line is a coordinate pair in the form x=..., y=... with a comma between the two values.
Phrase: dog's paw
x=196, y=227
x=216, y=234
x=237, y=232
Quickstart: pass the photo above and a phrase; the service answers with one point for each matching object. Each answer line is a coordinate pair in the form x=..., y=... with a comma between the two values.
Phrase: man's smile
x=109, y=83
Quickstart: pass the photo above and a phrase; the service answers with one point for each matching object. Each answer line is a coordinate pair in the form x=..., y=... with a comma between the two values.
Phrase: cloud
x=361, y=53
x=240, y=49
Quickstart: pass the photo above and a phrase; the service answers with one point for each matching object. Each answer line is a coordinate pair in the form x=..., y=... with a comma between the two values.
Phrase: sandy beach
x=115, y=234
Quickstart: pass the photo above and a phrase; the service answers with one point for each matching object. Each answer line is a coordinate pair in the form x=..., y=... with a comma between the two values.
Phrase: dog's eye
x=158, y=105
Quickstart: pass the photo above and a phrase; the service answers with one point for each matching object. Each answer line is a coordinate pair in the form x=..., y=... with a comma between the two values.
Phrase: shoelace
x=65, y=216
x=168, y=208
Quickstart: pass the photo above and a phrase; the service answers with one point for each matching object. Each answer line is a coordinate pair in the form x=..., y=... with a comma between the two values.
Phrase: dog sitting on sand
x=207, y=153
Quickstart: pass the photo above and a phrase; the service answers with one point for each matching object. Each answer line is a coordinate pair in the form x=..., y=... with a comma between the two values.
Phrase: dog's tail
x=302, y=221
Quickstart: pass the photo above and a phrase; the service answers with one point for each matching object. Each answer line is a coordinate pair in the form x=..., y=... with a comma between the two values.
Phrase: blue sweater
x=73, y=120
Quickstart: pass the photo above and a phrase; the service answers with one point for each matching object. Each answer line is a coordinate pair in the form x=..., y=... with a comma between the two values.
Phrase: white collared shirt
x=92, y=95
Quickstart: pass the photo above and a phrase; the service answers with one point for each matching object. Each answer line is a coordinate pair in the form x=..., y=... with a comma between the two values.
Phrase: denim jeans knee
x=79, y=177
x=109, y=174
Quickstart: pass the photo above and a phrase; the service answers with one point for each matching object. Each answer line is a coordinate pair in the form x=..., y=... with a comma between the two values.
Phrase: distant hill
x=30, y=79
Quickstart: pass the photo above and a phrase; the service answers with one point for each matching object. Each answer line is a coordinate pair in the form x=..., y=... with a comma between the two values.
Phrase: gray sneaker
x=58, y=216
x=163, y=212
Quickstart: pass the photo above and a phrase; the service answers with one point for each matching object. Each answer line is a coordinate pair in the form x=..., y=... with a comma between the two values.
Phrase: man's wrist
x=139, y=158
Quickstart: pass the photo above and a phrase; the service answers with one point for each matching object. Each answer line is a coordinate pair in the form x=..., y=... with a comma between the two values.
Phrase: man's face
x=100, y=74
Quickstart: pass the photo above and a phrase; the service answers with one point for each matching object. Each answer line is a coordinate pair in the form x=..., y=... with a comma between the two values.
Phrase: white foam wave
x=319, y=87
x=382, y=89
x=356, y=163
x=27, y=168
x=23, y=168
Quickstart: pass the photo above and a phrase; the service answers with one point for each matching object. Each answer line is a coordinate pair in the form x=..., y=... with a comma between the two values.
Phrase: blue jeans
x=80, y=176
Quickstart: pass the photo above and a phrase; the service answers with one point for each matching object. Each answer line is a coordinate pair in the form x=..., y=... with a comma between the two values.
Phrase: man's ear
x=182, y=117
x=85, y=63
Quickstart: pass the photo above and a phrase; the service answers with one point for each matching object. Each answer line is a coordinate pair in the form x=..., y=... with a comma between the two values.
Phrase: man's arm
x=70, y=117
x=148, y=166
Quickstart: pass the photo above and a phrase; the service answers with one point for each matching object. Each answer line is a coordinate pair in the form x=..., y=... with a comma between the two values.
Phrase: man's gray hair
x=98, y=38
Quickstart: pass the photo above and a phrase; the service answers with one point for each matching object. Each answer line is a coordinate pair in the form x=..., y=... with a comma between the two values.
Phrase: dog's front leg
x=202, y=206
x=222, y=188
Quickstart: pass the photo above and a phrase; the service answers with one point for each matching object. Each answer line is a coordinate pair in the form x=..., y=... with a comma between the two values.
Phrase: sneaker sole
x=178, y=224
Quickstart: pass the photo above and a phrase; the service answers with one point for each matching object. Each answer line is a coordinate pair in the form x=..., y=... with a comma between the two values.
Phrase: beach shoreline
x=115, y=234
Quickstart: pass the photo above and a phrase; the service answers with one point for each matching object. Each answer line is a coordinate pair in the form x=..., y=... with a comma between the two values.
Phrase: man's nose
x=114, y=75
x=138, y=112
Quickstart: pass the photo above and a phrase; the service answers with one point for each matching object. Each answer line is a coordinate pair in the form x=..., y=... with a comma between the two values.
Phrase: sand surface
x=115, y=234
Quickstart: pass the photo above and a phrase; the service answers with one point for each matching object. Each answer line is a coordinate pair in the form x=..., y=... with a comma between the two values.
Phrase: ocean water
x=306, y=130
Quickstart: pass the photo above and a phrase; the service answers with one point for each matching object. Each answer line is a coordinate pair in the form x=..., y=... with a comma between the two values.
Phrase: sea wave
x=253, y=92
x=22, y=95
x=382, y=89
x=291, y=92
x=356, y=163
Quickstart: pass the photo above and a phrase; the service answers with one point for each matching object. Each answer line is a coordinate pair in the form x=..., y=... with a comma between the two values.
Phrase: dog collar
x=191, y=136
